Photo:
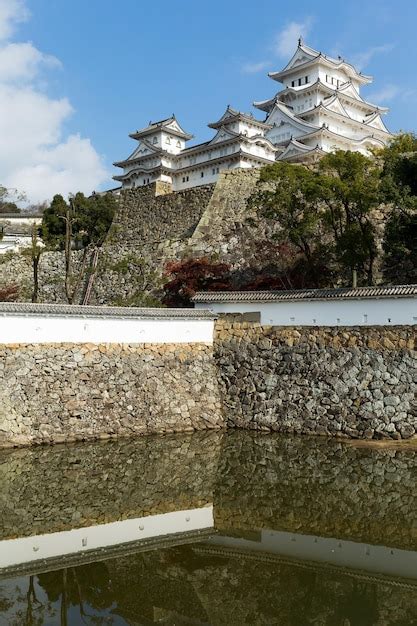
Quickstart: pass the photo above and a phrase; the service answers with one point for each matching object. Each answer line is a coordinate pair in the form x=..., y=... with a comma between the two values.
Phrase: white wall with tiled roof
x=361, y=312
x=22, y=324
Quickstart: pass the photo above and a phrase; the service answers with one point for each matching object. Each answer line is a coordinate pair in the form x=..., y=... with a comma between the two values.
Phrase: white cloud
x=35, y=156
x=12, y=12
x=60, y=169
x=284, y=45
x=386, y=93
x=254, y=68
x=363, y=58
x=286, y=40
x=22, y=61
x=391, y=91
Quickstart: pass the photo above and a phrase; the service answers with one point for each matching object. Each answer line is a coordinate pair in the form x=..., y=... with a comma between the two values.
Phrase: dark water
x=209, y=529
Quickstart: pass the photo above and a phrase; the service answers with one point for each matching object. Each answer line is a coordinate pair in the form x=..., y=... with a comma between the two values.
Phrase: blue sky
x=113, y=66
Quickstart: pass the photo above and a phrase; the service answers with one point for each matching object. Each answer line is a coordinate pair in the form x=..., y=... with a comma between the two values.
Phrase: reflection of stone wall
x=302, y=485
x=68, y=392
x=351, y=382
x=316, y=487
x=44, y=490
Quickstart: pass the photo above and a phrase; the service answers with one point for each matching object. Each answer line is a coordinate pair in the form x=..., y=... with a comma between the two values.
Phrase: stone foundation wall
x=358, y=382
x=67, y=392
x=149, y=229
x=16, y=269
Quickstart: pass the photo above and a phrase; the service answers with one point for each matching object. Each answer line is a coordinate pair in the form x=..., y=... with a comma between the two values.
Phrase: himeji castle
x=318, y=109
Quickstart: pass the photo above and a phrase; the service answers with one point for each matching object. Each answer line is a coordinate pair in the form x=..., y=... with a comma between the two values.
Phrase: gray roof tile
x=345, y=293
x=29, y=309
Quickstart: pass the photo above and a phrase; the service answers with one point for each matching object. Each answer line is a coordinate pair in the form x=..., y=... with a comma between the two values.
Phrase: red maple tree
x=9, y=293
x=188, y=276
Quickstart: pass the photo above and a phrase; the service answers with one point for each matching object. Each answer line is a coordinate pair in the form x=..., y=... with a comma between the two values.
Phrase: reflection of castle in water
x=215, y=529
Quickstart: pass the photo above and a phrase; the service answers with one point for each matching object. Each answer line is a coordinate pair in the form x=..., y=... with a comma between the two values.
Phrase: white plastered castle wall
x=360, y=312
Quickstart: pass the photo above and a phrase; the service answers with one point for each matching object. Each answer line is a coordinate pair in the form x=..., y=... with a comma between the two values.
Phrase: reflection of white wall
x=28, y=549
x=77, y=329
x=361, y=312
x=378, y=559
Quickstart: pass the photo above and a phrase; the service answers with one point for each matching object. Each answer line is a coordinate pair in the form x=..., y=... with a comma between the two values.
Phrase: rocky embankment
x=358, y=382
x=67, y=392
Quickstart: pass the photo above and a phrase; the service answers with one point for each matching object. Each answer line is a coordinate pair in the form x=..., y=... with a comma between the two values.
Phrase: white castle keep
x=318, y=110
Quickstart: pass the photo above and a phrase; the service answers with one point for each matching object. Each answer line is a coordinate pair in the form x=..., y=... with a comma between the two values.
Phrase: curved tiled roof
x=74, y=310
x=345, y=293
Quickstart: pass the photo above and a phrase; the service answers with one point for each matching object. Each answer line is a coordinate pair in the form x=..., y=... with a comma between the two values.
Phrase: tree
x=188, y=276
x=292, y=272
x=350, y=189
x=91, y=219
x=34, y=252
x=87, y=587
x=9, y=293
x=400, y=248
x=142, y=279
x=8, y=200
x=290, y=194
x=9, y=207
x=399, y=172
x=95, y=216
x=399, y=184
x=53, y=228
x=326, y=214
x=401, y=145
x=82, y=223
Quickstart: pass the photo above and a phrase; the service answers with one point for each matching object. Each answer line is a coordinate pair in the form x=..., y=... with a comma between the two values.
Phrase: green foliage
x=53, y=225
x=141, y=277
x=400, y=248
x=325, y=213
x=34, y=252
x=350, y=189
x=399, y=174
x=91, y=219
x=401, y=144
x=8, y=257
x=399, y=183
x=292, y=200
x=8, y=200
x=127, y=264
x=9, y=207
x=96, y=216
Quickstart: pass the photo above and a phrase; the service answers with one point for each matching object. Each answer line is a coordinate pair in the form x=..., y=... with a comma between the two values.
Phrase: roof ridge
x=306, y=294
x=29, y=308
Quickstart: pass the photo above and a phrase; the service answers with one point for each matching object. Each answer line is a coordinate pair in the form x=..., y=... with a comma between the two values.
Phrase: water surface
x=211, y=528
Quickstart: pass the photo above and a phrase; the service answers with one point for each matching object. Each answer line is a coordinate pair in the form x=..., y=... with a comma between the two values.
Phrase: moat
x=210, y=528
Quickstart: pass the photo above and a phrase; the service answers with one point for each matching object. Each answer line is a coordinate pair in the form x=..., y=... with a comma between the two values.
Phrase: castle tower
x=155, y=156
x=320, y=108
